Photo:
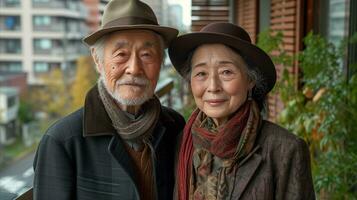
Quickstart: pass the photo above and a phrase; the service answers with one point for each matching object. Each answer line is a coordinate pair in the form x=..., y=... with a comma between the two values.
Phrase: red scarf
x=224, y=144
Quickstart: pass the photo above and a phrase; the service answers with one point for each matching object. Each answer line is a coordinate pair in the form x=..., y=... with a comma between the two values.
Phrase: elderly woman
x=228, y=151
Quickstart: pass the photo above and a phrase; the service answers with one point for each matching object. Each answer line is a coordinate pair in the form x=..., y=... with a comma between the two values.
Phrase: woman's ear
x=98, y=64
x=251, y=85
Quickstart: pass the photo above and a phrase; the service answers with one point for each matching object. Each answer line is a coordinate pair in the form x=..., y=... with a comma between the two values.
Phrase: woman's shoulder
x=276, y=136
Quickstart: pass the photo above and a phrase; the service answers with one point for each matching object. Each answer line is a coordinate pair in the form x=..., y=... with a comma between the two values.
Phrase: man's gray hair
x=98, y=47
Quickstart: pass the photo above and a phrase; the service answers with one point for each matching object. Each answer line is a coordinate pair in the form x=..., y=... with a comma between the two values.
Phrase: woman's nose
x=214, y=84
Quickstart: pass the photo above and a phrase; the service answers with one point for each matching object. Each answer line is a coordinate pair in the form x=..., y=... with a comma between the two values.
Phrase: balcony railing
x=10, y=4
x=73, y=6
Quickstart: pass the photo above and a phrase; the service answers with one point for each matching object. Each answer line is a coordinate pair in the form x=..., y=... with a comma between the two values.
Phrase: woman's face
x=219, y=81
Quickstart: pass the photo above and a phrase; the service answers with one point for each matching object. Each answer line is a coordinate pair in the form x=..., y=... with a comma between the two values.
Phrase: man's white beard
x=146, y=95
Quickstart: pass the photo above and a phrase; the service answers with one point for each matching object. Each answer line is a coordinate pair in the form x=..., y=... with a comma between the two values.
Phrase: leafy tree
x=86, y=77
x=52, y=97
x=323, y=112
x=25, y=113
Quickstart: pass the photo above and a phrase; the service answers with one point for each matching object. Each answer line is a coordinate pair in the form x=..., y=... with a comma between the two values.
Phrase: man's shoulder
x=67, y=127
x=169, y=115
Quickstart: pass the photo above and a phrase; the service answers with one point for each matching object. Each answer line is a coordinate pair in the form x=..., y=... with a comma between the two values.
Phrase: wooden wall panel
x=285, y=17
x=207, y=11
x=246, y=14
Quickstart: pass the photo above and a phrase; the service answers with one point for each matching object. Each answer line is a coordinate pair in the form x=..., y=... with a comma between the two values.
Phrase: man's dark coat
x=82, y=157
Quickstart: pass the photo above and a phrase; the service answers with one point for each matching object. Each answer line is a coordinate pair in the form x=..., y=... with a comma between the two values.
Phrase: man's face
x=131, y=65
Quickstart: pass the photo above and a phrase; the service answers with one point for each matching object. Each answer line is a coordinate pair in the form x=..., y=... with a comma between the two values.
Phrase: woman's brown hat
x=130, y=14
x=228, y=34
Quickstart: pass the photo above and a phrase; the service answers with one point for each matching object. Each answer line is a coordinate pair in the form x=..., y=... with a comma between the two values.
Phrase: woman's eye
x=200, y=74
x=227, y=72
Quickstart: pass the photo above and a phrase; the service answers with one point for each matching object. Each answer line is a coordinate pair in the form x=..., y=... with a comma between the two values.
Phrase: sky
x=186, y=7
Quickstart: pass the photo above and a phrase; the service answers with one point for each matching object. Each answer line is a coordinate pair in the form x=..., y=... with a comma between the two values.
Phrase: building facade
x=37, y=36
x=9, y=105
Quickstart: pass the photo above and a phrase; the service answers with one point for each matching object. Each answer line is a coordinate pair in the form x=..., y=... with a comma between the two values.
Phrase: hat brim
x=181, y=47
x=167, y=33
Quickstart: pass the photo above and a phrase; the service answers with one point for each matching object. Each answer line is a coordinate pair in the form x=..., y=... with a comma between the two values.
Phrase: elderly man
x=121, y=145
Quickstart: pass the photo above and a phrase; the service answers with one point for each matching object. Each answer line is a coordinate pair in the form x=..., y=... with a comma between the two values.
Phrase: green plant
x=25, y=113
x=323, y=112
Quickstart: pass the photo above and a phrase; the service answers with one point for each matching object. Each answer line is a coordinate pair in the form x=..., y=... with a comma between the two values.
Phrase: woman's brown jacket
x=277, y=168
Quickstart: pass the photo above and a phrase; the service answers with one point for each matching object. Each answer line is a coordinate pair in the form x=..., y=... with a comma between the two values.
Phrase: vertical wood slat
x=286, y=17
x=246, y=16
x=208, y=11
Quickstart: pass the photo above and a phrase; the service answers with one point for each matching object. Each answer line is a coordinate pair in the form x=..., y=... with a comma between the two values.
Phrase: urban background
x=45, y=72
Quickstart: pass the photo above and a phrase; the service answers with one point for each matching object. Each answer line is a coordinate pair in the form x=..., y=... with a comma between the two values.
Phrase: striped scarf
x=202, y=143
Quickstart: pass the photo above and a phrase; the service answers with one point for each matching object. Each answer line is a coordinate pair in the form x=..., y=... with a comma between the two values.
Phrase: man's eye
x=146, y=55
x=121, y=54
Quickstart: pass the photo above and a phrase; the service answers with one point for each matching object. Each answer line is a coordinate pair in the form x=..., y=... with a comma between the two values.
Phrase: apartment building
x=9, y=105
x=37, y=36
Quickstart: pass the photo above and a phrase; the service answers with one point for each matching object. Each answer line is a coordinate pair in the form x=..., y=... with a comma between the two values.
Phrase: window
x=41, y=20
x=10, y=46
x=43, y=44
x=41, y=1
x=333, y=23
x=41, y=67
x=11, y=22
x=11, y=101
x=10, y=66
x=264, y=14
x=12, y=3
x=13, y=46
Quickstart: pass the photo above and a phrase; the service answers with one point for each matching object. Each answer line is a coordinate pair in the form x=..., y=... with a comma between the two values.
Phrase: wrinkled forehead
x=216, y=53
x=137, y=37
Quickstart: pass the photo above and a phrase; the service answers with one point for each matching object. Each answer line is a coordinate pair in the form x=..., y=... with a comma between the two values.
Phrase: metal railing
x=163, y=91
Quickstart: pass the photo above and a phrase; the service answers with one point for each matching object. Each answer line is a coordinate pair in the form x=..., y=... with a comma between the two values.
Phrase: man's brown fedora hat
x=130, y=14
x=227, y=34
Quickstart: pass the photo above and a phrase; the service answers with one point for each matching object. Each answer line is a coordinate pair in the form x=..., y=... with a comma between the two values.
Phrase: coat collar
x=96, y=121
x=249, y=165
x=246, y=170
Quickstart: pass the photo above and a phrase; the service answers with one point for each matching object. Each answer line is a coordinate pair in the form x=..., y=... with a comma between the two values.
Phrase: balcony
x=10, y=3
x=73, y=9
x=9, y=104
x=10, y=66
x=10, y=23
x=10, y=47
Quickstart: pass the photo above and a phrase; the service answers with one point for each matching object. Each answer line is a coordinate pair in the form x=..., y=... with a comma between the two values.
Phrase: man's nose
x=134, y=65
x=214, y=84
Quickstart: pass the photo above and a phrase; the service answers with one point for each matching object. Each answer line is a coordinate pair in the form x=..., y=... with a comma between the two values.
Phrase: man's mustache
x=133, y=81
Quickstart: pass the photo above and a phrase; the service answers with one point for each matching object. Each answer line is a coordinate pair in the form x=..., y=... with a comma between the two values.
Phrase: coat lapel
x=158, y=132
x=245, y=172
x=97, y=123
x=117, y=149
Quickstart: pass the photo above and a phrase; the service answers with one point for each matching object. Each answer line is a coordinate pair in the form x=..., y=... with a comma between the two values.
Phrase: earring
x=250, y=95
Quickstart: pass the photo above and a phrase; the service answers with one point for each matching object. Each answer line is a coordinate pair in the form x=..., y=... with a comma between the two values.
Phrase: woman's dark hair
x=254, y=74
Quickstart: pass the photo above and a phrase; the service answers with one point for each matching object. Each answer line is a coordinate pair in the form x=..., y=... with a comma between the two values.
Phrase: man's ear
x=98, y=64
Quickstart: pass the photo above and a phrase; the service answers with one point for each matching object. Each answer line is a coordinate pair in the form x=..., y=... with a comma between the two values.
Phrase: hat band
x=127, y=21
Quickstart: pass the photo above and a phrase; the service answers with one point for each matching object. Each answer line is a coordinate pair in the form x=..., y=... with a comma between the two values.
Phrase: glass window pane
x=41, y=67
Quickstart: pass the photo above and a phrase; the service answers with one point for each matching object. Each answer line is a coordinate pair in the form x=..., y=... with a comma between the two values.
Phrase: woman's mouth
x=215, y=102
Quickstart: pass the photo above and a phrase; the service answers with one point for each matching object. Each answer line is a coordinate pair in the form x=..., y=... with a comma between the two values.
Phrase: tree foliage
x=86, y=77
x=52, y=97
x=25, y=113
x=323, y=112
